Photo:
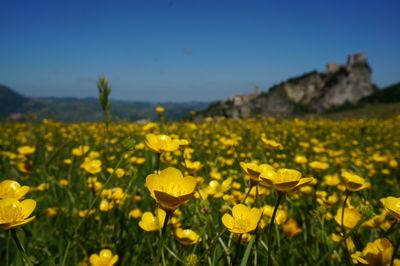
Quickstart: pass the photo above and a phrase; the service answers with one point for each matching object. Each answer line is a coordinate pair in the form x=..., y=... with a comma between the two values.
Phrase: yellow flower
x=300, y=159
x=119, y=173
x=117, y=194
x=159, y=109
x=85, y=213
x=93, y=154
x=325, y=200
x=351, y=217
x=216, y=189
x=106, y=205
x=51, y=212
x=161, y=143
x=24, y=150
x=151, y=223
x=349, y=241
x=104, y=258
x=280, y=216
x=353, y=182
x=290, y=228
x=135, y=213
x=332, y=180
x=393, y=163
x=242, y=220
x=376, y=221
x=187, y=237
x=378, y=252
x=254, y=170
x=192, y=167
x=170, y=188
x=183, y=143
x=319, y=166
x=285, y=180
x=42, y=187
x=91, y=166
x=15, y=213
x=64, y=182
x=271, y=144
x=392, y=206
x=93, y=184
x=12, y=189
x=80, y=150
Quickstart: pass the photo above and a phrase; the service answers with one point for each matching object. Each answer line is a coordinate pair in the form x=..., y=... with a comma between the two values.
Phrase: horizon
x=177, y=51
x=95, y=97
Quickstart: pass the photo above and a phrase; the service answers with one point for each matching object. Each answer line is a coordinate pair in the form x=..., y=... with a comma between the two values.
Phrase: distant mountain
x=16, y=106
x=10, y=101
x=310, y=93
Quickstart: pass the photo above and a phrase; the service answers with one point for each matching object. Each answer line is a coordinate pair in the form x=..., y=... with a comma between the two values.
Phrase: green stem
x=248, y=192
x=54, y=154
x=162, y=239
x=256, y=200
x=8, y=248
x=158, y=162
x=280, y=196
x=20, y=248
x=237, y=248
x=346, y=250
x=164, y=229
x=316, y=189
x=394, y=252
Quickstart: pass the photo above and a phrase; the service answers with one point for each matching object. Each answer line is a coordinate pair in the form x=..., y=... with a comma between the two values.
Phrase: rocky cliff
x=312, y=92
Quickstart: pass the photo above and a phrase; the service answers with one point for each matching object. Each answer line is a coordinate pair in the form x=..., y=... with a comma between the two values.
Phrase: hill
x=16, y=106
x=375, y=110
x=310, y=93
x=10, y=101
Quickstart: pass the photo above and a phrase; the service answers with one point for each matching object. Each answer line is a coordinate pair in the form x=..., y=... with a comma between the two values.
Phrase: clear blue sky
x=182, y=50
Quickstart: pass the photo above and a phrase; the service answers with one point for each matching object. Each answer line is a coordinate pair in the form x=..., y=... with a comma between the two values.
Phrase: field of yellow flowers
x=259, y=191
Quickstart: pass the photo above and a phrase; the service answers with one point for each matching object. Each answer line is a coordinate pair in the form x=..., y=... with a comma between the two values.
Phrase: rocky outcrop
x=312, y=92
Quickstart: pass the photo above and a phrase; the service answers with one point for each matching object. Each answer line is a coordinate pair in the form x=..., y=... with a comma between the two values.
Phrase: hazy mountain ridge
x=69, y=109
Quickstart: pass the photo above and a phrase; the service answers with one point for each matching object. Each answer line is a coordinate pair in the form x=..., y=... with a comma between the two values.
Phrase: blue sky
x=183, y=50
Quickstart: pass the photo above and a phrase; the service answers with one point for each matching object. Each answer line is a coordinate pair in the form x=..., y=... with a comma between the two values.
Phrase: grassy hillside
x=377, y=110
x=387, y=95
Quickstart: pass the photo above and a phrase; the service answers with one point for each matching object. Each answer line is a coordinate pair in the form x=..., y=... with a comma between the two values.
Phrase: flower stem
x=346, y=250
x=256, y=200
x=248, y=192
x=280, y=196
x=394, y=251
x=158, y=162
x=237, y=248
x=8, y=248
x=162, y=239
x=164, y=229
x=20, y=248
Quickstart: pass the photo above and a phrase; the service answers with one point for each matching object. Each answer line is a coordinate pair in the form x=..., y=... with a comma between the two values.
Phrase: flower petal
x=228, y=221
x=240, y=210
x=28, y=206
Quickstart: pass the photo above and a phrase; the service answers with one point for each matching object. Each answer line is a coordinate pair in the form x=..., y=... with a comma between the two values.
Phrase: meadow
x=259, y=191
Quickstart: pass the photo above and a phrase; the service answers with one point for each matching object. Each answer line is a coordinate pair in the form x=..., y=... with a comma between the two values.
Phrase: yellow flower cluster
x=319, y=184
